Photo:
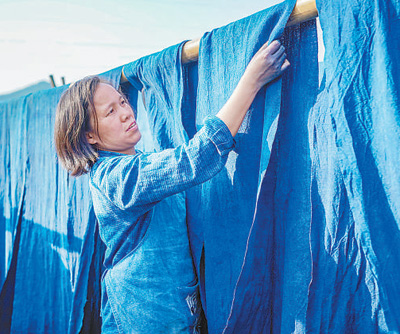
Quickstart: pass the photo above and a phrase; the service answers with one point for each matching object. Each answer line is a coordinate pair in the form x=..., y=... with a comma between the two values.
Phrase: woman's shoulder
x=111, y=163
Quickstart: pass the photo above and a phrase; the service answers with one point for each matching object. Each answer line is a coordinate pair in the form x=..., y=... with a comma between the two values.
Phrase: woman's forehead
x=105, y=94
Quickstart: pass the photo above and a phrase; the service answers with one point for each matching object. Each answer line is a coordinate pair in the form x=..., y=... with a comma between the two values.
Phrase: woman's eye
x=123, y=102
x=110, y=112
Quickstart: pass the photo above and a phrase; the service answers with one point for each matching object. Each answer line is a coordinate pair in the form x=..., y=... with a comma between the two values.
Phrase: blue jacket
x=150, y=280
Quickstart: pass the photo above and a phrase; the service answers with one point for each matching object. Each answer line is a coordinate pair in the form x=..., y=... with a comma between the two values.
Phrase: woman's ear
x=91, y=138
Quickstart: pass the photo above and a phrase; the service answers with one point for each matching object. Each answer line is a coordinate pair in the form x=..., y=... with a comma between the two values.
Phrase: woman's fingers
x=280, y=60
x=268, y=63
x=285, y=65
x=273, y=47
x=268, y=44
x=279, y=52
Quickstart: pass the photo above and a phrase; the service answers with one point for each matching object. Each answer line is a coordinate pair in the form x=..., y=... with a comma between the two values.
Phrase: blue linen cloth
x=161, y=81
x=150, y=279
x=355, y=142
x=52, y=270
x=269, y=296
x=223, y=209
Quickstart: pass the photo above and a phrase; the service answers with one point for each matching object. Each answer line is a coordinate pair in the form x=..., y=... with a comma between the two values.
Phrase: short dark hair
x=74, y=113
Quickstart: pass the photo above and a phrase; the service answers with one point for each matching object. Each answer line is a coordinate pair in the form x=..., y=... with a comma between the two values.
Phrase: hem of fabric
x=111, y=300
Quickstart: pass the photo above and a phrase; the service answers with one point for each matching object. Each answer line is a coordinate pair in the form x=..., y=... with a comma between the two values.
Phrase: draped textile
x=270, y=295
x=226, y=205
x=355, y=142
x=350, y=195
x=51, y=235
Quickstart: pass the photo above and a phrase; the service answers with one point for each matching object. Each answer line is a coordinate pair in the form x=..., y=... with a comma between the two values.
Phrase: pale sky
x=75, y=38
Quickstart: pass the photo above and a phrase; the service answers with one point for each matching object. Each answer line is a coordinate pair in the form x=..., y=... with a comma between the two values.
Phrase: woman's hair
x=74, y=113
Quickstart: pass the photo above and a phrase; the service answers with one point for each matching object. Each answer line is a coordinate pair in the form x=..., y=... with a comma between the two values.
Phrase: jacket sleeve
x=142, y=180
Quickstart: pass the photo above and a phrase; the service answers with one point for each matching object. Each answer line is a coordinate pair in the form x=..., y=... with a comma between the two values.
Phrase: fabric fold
x=270, y=293
x=159, y=78
x=223, y=209
x=354, y=143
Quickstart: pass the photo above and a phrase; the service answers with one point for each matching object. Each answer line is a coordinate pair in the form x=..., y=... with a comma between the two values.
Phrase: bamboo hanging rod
x=303, y=11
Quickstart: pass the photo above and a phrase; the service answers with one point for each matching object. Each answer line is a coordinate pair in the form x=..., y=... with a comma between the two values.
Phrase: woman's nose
x=125, y=114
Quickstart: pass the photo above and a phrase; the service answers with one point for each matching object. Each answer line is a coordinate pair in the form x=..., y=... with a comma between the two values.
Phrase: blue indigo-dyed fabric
x=355, y=150
x=51, y=266
x=223, y=209
x=12, y=176
x=271, y=294
x=161, y=81
x=150, y=280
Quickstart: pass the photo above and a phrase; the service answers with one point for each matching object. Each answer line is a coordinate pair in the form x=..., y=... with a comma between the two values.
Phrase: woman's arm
x=267, y=64
x=139, y=182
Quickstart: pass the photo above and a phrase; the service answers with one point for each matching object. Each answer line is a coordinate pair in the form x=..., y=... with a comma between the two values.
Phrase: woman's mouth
x=132, y=127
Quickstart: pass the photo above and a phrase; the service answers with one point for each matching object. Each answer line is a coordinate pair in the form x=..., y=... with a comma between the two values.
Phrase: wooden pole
x=303, y=11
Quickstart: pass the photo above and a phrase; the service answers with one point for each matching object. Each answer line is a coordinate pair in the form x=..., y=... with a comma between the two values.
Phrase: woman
x=149, y=285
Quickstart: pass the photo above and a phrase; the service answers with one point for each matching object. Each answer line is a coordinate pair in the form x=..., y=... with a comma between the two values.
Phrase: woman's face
x=118, y=131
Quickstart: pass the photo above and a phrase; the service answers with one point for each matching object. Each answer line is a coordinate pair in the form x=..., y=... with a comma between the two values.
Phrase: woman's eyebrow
x=108, y=107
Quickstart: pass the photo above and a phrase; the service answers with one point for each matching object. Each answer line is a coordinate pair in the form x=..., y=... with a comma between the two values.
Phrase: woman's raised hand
x=267, y=64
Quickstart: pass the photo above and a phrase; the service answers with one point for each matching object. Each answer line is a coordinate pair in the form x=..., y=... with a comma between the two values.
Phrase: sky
x=75, y=38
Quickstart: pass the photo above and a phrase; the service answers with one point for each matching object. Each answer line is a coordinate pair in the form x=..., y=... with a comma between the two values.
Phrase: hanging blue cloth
x=269, y=296
x=50, y=226
x=222, y=210
x=12, y=176
x=355, y=143
x=158, y=80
